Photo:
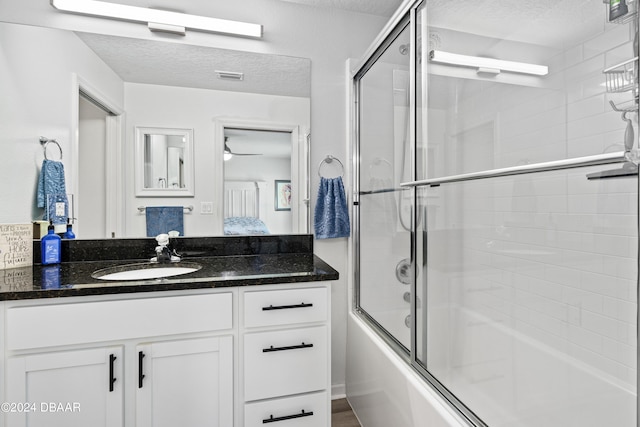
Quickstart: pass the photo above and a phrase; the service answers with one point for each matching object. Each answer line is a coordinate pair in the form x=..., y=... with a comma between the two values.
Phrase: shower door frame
x=400, y=23
x=405, y=16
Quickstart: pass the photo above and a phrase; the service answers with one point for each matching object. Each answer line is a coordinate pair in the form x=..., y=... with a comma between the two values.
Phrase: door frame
x=300, y=206
x=114, y=167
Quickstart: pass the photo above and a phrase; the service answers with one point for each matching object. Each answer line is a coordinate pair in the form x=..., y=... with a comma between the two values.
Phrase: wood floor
x=342, y=415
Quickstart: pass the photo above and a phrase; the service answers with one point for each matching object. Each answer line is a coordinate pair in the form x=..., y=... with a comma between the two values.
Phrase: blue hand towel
x=162, y=219
x=331, y=214
x=52, y=190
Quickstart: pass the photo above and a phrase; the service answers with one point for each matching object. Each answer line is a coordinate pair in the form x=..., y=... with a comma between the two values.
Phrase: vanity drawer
x=309, y=410
x=280, y=363
x=90, y=322
x=285, y=307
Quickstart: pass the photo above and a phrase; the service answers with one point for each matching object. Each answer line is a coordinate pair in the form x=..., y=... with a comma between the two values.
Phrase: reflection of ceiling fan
x=229, y=154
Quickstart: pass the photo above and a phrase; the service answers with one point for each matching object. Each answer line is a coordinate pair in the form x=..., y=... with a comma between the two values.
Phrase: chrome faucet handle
x=162, y=239
x=163, y=251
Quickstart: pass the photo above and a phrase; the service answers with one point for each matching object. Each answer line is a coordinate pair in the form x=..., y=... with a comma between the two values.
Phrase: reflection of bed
x=242, y=208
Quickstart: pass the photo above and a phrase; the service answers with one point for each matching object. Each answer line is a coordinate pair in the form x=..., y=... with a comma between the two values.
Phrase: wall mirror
x=156, y=83
x=164, y=162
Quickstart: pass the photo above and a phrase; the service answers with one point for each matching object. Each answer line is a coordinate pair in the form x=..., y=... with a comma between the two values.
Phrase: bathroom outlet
x=206, y=208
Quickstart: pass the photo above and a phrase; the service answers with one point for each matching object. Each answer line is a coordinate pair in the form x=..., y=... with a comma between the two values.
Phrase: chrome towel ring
x=45, y=142
x=328, y=160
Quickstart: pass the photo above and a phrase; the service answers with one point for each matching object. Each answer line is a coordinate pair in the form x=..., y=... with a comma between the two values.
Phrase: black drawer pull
x=271, y=419
x=140, y=369
x=290, y=347
x=112, y=378
x=284, y=307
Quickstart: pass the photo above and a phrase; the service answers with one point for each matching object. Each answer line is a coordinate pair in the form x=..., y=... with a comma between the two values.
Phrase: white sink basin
x=145, y=271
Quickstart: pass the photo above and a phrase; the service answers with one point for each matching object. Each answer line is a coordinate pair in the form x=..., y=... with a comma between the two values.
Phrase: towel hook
x=329, y=159
x=45, y=142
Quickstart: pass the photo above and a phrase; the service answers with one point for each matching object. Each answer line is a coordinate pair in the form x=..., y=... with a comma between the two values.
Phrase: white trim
x=139, y=163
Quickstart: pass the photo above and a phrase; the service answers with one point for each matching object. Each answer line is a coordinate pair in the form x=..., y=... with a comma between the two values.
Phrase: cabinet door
x=67, y=389
x=185, y=383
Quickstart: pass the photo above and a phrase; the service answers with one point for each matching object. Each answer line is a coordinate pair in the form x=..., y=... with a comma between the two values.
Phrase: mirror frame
x=141, y=190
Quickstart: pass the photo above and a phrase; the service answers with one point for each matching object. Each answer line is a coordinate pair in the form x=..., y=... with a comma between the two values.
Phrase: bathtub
x=384, y=391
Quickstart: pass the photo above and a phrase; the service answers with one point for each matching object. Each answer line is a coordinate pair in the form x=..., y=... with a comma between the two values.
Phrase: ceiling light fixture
x=490, y=65
x=159, y=20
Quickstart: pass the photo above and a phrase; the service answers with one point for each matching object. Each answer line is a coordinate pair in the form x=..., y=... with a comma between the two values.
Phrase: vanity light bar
x=486, y=64
x=158, y=18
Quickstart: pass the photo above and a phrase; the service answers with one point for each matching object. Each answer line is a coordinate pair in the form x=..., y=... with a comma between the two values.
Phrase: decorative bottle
x=51, y=246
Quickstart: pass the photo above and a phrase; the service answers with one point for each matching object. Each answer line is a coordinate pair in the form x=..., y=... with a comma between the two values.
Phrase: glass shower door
x=527, y=270
x=529, y=297
x=384, y=208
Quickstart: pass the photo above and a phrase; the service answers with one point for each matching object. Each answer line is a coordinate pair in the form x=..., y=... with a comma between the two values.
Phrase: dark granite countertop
x=224, y=261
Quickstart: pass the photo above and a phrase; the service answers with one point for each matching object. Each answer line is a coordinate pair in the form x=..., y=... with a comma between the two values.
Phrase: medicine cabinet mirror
x=164, y=162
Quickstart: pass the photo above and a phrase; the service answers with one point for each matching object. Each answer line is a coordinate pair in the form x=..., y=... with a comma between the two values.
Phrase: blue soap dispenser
x=69, y=234
x=51, y=246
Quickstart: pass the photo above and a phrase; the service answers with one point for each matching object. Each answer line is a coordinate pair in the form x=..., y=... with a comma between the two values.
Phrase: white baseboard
x=338, y=391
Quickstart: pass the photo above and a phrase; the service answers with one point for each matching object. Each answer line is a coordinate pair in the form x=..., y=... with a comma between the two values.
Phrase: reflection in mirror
x=164, y=162
x=156, y=83
x=254, y=161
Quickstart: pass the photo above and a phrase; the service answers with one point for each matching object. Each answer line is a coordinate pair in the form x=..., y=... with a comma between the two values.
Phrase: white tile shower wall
x=568, y=115
x=556, y=257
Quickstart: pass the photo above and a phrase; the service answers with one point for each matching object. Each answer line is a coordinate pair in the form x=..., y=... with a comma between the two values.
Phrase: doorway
x=266, y=165
x=95, y=214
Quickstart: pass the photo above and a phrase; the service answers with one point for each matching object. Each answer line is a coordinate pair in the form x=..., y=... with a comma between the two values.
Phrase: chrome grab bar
x=599, y=159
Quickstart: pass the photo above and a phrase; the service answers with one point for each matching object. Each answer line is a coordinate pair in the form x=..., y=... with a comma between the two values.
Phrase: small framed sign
x=16, y=245
x=283, y=195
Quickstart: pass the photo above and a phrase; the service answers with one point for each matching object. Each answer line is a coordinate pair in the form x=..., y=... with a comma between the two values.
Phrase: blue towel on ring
x=52, y=190
x=331, y=216
x=162, y=219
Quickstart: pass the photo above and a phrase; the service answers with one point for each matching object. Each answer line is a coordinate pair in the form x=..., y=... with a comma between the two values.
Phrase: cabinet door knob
x=140, y=368
x=112, y=378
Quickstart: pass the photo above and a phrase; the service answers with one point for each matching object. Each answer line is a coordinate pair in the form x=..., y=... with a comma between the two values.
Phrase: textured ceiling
x=176, y=64
x=372, y=7
x=563, y=22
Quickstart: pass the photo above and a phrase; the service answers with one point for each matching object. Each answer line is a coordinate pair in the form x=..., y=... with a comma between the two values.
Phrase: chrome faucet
x=163, y=252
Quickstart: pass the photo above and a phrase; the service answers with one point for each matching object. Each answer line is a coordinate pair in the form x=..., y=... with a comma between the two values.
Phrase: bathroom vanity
x=243, y=347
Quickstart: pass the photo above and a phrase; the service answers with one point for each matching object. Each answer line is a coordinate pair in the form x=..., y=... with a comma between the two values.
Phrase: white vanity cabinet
x=75, y=388
x=159, y=361
x=224, y=357
x=286, y=356
x=185, y=383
